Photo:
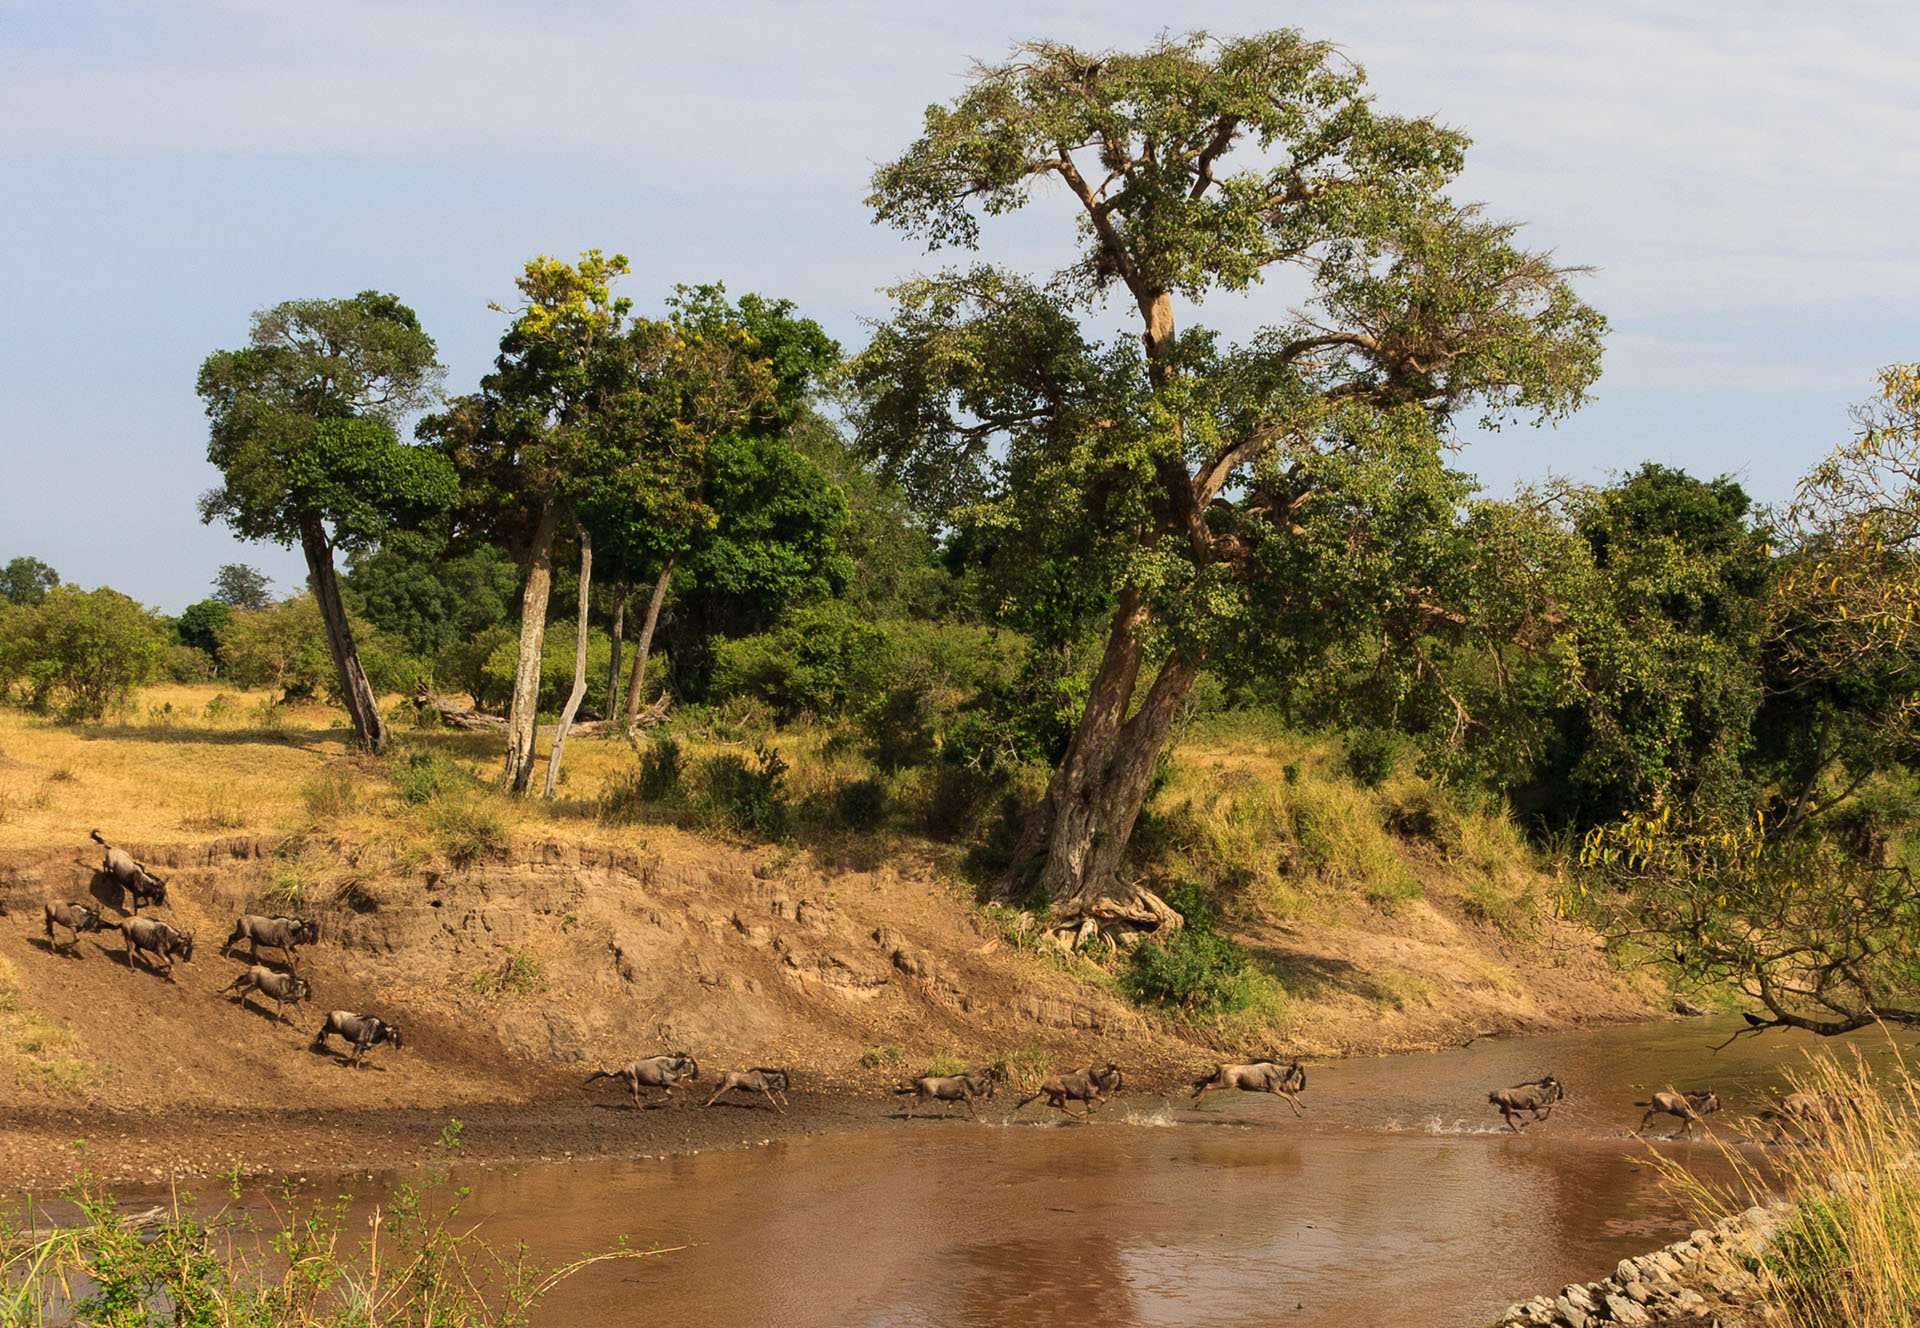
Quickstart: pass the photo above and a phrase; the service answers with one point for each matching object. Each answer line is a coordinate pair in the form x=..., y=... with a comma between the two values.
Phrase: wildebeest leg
x=775, y=1105
x=1646, y=1120
x=967, y=1102
x=1202, y=1091
x=1292, y=1102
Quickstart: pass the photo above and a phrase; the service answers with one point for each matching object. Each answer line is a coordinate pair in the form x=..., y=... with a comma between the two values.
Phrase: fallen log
x=457, y=716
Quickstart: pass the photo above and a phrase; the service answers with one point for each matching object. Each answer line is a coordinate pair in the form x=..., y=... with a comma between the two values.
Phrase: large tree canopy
x=1170, y=475
x=303, y=428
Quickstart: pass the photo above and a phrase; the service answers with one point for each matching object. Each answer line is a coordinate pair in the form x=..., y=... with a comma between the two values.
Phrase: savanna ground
x=521, y=944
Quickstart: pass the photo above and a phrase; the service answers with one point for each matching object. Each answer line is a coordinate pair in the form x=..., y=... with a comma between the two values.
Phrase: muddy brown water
x=1396, y=1200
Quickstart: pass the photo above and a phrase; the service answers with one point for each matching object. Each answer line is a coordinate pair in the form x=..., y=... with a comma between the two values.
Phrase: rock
x=1681, y=1005
x=1622, y=1310
x=1575, y=1315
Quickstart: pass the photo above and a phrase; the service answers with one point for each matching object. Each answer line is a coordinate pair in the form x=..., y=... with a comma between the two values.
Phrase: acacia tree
x=1179, y=466
x=303, y=428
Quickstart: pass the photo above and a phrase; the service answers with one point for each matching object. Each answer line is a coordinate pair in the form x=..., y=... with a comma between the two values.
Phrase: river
x=1395, y=1201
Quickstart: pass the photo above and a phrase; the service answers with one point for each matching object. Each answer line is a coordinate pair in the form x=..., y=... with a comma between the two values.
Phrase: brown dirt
x=512, y=978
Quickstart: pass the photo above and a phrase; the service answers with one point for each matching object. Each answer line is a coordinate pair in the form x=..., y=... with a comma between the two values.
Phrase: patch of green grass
x=518, y=975
x=889, y=1057
x=333, y=796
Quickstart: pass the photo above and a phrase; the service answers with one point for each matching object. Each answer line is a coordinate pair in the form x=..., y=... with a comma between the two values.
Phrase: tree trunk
x=645, y=645
x=523, y=716
x=613, y=663
x=579, y=691
x=1080, y=831
x=363, y=709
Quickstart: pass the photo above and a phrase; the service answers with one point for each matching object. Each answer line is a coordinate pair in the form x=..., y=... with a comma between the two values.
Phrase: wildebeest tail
x=603, y=1074
x=95, y=836
x=1647, y=1103
x=1023, y=1101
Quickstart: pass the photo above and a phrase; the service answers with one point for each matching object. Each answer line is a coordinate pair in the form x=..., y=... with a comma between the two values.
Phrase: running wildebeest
x=760, y=1079
x=1690, y=1107
x=279, y=932
x=285, y=988
x=1258, y=1077
x=1537, y=1097
x=140, y=885
x=654, y=1072
x=1807, y=1110
x=1086, y=1086
x=961, y=1088
x=76, y=918
x=150, y=936
x=362, y=1031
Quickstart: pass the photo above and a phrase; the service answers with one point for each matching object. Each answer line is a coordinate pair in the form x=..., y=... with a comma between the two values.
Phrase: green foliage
x=660, y=770
x=430, y=598
x=556, y=665
x=466, y=829
x=79, y=652
x=862, y=804
x=469, y=665
x=824, y=659
x=300, y=1268
x=742, y=794
x=199, y=625
x=332, y=796
x=424, y=776
x=1198, y=972
x=239, y=586
x=27, y=580
x=891, y=1056
x=282, y=647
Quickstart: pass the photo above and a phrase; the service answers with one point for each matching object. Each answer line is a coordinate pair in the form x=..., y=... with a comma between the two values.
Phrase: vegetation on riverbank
x=299, y=1266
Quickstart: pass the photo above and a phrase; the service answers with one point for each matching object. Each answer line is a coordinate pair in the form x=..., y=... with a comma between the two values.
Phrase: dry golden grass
x=1849, y=1251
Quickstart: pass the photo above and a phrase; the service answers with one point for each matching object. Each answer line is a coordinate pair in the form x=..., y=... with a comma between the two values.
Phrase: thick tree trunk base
x=1120, y=915
x=457, y=716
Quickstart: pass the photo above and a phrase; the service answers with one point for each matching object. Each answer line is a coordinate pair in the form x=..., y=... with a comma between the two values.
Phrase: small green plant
x=223, y=807
x=421, y=776
x=661, y=768
x=862, y=805
x=466, y=830
x=943, y=1064
x=745, y=795
x=269, y=716
x=332, y=796
x=889, y=1057
x=1025, y=1068
x=518, y=975
x=217, y=707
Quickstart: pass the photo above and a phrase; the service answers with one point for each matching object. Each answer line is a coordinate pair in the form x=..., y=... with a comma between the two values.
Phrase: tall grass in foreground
x=1849, y=1251
x=301, y=1269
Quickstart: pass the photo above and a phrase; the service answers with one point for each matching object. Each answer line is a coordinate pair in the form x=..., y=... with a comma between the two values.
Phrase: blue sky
x=1744, y=178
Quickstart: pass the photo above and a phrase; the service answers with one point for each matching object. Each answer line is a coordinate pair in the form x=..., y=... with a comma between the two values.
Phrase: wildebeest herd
x=157, y=946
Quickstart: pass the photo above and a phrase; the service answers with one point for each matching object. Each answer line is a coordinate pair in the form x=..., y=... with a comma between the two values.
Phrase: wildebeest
x=362, y=1031
x=279, y=932
x=1259, y=1077
x=961, y=1088
x=1537, y=1097
x=654, y=1072
x=140, y=885
x=1690, y=1107
x=285, y=988
x=1808, y=1109
x=75, y=917
x=151, y=936
x=760, y=1079
x=1086, y=1086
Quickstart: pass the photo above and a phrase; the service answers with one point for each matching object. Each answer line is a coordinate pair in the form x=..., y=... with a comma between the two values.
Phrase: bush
x=81, y=652
x=862, y=805
x=283, y=647
x=824, y=659
x=331, y=796
x=1198, y=971
x=421, y=776
x=1373, y=754
x=466, y=830
x=556, y=666
x=660, y=770
x=954, y=799
x=745, y=795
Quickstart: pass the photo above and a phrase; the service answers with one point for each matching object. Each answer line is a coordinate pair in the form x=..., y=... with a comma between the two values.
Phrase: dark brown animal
x=760, y=1079
x=148, y=936
x=1088, y=1086
x=285, y=988
x=661, y=1072
x=277, y=932
x=1809, y=1111
x=1537, y=1097
x=1258, y=1077
x=1689, y=1107
x=961, y=1088
x=362, y=1031
x=76, y=918
x=140, y=885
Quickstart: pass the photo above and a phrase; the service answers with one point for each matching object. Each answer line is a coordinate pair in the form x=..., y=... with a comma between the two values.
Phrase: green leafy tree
x=282, y=647
x=1167, y=474
x=82, y=652
x=303, y=431
x=27, y=580
x=199, y=625
x=242, y=587
x=429, y=596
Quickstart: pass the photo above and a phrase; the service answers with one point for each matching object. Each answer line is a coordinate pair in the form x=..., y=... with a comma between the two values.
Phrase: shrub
x=466, y=830
x=660, y=770
x=421, y=776
x=81, y=652
x=891, y=1055
x=953, y=800
x=1373, y=754
x=745, y=795
x=823, y=659
x=331, y=796
x=1198, y=971
x=283, y=647
x=862, y=804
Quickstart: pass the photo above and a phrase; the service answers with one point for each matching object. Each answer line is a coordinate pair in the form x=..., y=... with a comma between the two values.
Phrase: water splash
x=1160, y=1118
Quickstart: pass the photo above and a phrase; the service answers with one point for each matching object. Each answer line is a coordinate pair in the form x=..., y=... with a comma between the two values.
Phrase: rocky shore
x=1700, y=1282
